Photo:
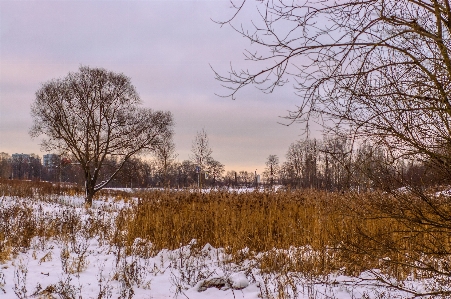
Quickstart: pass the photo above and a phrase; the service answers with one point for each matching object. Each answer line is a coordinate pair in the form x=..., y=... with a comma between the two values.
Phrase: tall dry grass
x=315, y=221
x=331, y=231
x=258, y=221
x=36, y=189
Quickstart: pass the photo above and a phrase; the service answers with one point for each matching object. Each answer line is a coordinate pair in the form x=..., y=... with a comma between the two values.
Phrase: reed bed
x=258, y=221
x=302, y=231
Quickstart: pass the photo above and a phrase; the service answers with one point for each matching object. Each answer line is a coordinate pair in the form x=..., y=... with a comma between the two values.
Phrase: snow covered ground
x=88, y=267
x=204, y=190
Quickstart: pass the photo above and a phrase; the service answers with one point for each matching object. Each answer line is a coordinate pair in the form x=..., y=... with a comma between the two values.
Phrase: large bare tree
x=95, y=114
x=379, y=69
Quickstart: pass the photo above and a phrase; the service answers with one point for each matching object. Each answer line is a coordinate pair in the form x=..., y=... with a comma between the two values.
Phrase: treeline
x=337, y=163
x=333, y=164
x=135, y=173
x=23, y=167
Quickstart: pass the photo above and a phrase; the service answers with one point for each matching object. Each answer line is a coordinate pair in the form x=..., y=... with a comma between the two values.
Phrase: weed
x=2, y=282
x=20, y=279
x=105, y=289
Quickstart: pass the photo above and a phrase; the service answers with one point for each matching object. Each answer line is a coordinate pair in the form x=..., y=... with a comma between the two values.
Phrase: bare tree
x=5, y=165
x=338, y=167
x=380, y=69
x=272, y=168
x=201, y=152
x=94, y=114
x=165, y=155
x=186, y=173
x=295, y=164
x=230, y=178
x=302, y=163
x=245, y=178
x=215, y=169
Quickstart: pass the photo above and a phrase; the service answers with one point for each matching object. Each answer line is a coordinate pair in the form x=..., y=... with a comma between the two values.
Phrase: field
x=190, y=244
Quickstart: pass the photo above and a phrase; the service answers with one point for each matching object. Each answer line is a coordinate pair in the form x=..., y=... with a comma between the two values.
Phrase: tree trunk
x=89, y=194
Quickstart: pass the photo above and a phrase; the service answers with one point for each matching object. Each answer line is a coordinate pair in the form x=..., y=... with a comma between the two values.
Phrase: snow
x=203, y=190
x=158, y=277
x=85, y=267
x=239, y=280
x=446, y=193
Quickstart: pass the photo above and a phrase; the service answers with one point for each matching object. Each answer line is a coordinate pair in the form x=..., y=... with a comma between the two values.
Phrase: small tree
x=186, y=173
x=230, y=178
x=95, y=114
x=272, y=168
x=295, y=163
x=337, y=155
x=165, y=155
x=215, y=169
x=5, y=165
x=201, y=152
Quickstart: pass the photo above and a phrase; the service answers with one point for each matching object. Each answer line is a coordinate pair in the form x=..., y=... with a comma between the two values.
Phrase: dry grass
x=46, y=191
x=328, y=231
x=307, y=224
x=314, y=232
x=258, y=221
x=21, y=222
x=36, y=189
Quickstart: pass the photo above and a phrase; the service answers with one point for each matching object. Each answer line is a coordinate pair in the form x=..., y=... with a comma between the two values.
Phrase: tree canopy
x=95, y=114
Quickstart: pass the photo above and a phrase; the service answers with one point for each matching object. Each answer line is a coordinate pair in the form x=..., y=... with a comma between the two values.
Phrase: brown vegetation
x=350, y=231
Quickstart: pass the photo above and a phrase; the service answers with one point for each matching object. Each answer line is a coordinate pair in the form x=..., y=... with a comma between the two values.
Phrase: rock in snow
x=215, y=282
x=238, y=281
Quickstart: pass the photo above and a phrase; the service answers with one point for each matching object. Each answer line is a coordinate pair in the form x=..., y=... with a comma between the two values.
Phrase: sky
x=167, y=48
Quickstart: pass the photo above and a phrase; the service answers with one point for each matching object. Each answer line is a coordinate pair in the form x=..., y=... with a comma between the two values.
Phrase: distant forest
x=333, y=164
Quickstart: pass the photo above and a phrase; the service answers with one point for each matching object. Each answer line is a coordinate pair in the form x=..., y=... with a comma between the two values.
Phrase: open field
x=166, y=244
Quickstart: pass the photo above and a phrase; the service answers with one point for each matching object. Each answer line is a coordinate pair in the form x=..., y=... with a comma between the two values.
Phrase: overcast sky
x=165, y=47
